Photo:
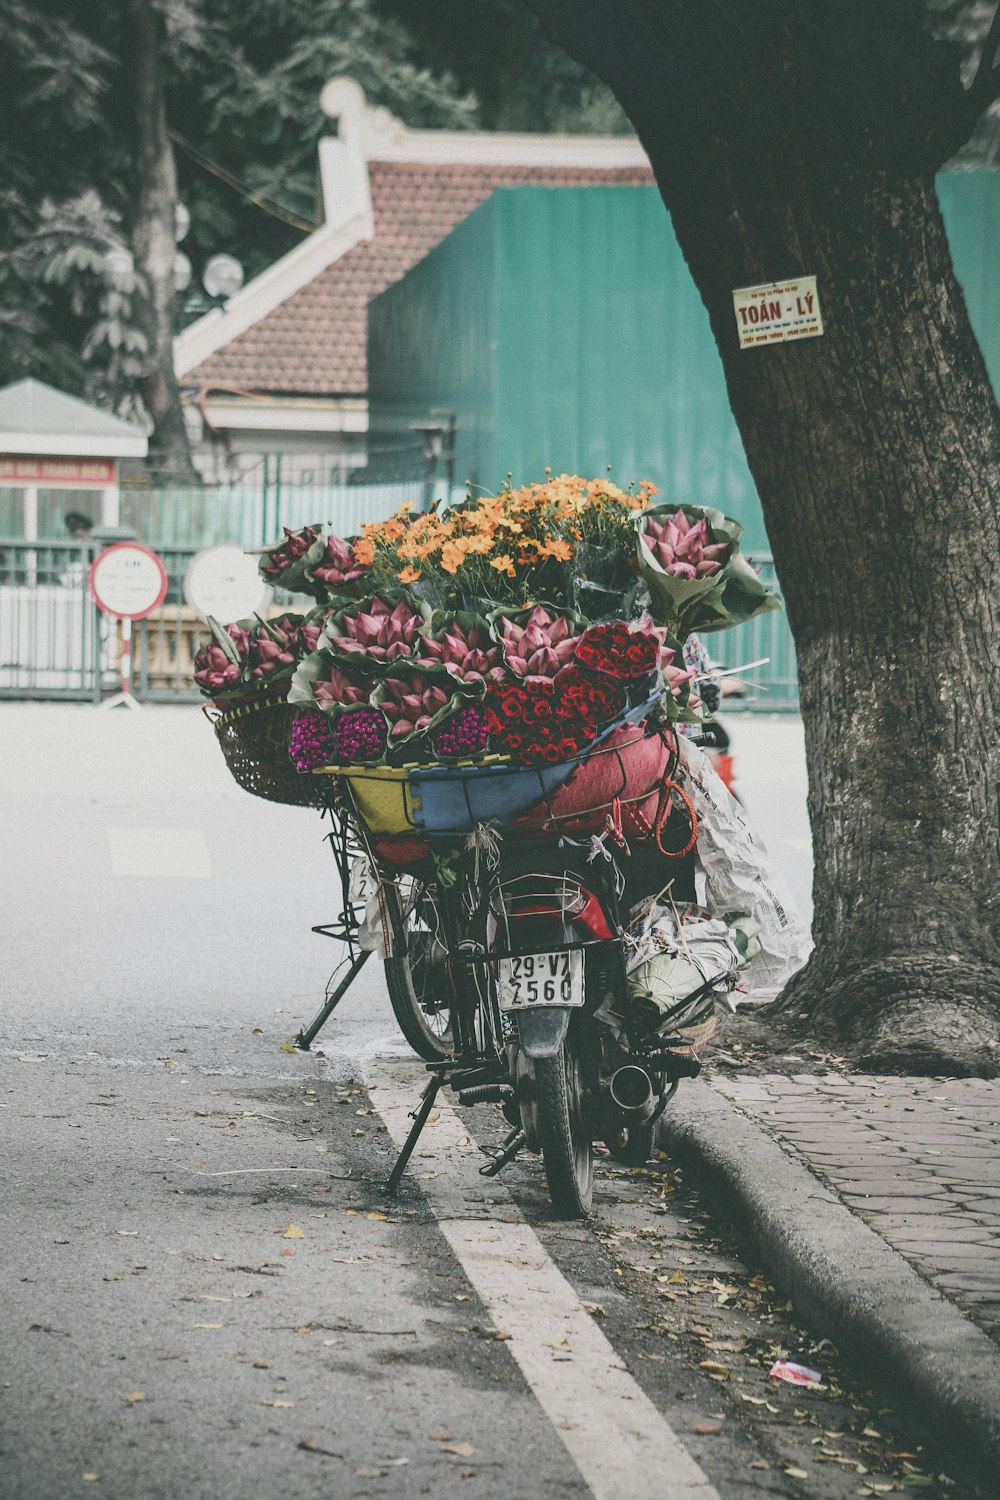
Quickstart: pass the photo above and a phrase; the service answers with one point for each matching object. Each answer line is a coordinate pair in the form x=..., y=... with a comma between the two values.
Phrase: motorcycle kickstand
x=419, y=1118
x=506, y=1155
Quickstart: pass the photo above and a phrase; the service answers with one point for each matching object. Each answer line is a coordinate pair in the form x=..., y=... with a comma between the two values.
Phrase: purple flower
x=359, y=735
x=311, y=742
x=464, y=734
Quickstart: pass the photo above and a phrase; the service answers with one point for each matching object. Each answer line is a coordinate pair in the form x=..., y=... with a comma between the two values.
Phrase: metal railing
x=55, y=644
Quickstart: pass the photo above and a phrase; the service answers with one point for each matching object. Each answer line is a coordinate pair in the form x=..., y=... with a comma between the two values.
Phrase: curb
x=843, y=1278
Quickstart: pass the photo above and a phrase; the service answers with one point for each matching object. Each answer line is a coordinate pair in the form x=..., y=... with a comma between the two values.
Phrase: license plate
x=540, y=979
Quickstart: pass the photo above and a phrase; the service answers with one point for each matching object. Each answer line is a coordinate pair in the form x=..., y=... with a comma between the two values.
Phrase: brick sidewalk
x=917, y=1159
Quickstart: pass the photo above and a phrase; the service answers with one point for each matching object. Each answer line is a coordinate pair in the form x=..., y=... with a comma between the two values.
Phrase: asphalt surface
x=207, y=1293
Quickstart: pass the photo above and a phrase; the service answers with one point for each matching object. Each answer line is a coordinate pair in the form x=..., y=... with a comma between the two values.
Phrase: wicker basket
x=254, y=737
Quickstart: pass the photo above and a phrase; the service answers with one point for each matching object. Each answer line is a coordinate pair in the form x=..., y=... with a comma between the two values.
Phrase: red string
x=663, y=812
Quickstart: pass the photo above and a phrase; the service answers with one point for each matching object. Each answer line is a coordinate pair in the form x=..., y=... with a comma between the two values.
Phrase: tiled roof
x=315, y=341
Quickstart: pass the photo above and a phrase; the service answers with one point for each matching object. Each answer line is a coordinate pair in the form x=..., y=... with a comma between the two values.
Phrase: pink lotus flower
x=469, y=655
x=214, y=671
x=539, y=646
x=295, y=545
x=380, y=632
x=274, y=646
x=337, y=565
x=409, y=703
x=214, y=668
x=337, y=688
x=310, y=632
x=684, y=549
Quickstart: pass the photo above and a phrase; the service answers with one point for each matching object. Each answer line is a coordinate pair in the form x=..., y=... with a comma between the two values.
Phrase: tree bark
x=154, y=202
x=789, y=139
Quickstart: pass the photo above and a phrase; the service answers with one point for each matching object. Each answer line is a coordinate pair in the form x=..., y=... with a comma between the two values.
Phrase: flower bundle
x=414, y=700
x=273, y=648
x=219, y=667
x=507, y=548
x=542, y=721
x=690, y=560
x=463, y=734
x=536, y=641
x=461, y=642
x=336, y=567
x=618, y=651
x=383, y=630
x=311, y=743
x=283, y=564
x=683, y=548
x=358, y=736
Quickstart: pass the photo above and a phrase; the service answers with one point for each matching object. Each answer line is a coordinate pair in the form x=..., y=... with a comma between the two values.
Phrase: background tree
x=789, y=138
x=111, y=110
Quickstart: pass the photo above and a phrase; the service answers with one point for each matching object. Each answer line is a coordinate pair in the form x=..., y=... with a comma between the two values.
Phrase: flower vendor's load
x=505, y=658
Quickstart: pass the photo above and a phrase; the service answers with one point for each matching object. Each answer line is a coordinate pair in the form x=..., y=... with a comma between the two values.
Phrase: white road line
x=622, y=1446
x=158, y=852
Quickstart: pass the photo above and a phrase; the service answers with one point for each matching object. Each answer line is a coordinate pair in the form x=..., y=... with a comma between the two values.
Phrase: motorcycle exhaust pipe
x=632, y=1092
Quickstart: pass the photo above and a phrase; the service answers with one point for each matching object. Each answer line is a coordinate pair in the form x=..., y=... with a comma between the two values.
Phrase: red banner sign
x=19, y=468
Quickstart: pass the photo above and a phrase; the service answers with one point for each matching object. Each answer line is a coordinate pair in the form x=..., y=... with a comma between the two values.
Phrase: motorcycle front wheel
x=563, y=1132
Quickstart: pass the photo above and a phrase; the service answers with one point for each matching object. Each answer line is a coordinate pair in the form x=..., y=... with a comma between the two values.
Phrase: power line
x=274, y=209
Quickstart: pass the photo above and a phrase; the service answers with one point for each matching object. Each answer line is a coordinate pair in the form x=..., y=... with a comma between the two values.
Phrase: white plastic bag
x=739, y=873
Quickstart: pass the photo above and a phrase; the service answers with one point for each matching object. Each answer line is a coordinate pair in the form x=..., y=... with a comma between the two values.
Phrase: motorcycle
x=507, y=963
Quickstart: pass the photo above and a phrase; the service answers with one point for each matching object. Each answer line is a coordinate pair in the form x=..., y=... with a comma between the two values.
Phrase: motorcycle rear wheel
x=567, y=1150
x=419, y=987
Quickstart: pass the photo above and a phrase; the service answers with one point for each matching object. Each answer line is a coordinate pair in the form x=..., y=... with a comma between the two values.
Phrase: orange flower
x=452, y=556
x=504, y=564
x=364, y=551
x=560, y=550
x=410, y=575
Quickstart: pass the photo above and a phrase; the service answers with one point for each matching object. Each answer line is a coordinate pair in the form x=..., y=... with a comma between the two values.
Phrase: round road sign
x=223, y=581
x=128, y=581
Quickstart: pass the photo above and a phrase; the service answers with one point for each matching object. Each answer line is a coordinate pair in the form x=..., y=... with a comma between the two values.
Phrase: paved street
x=208, y=1295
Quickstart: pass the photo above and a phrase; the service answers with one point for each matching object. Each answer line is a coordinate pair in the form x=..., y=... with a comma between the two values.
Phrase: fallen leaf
x=292, y=1232
x=441, y=1437
x=460, y=1450
x=566, y=1425
x=595, y=1309
x=302, y=1328
x=311, y=1446
x=261, y=1364
x=111, y=1276
x=676, y=1279
x=370, y=1473
x=134, y=1396
x=286, y=1252
x=708, y=1429
x=288, y=1047
x=794, y=1472
x=279, y=1403
x=562, y=1343
x=467, y=1473
x=712, y=1368
x=257, y=1031
x=206, y=1325
x=758, y=1463
x=90, y=1478
x=376, y=1214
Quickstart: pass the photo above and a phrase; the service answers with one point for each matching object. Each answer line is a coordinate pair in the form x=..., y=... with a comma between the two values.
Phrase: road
x=207, y=1293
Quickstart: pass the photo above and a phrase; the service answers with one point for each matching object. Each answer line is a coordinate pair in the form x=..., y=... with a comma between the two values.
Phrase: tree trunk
x=154, y=203
x=793, y=139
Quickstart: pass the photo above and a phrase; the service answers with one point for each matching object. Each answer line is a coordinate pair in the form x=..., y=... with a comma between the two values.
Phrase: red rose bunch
x=543, y=722
x=616, y=651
